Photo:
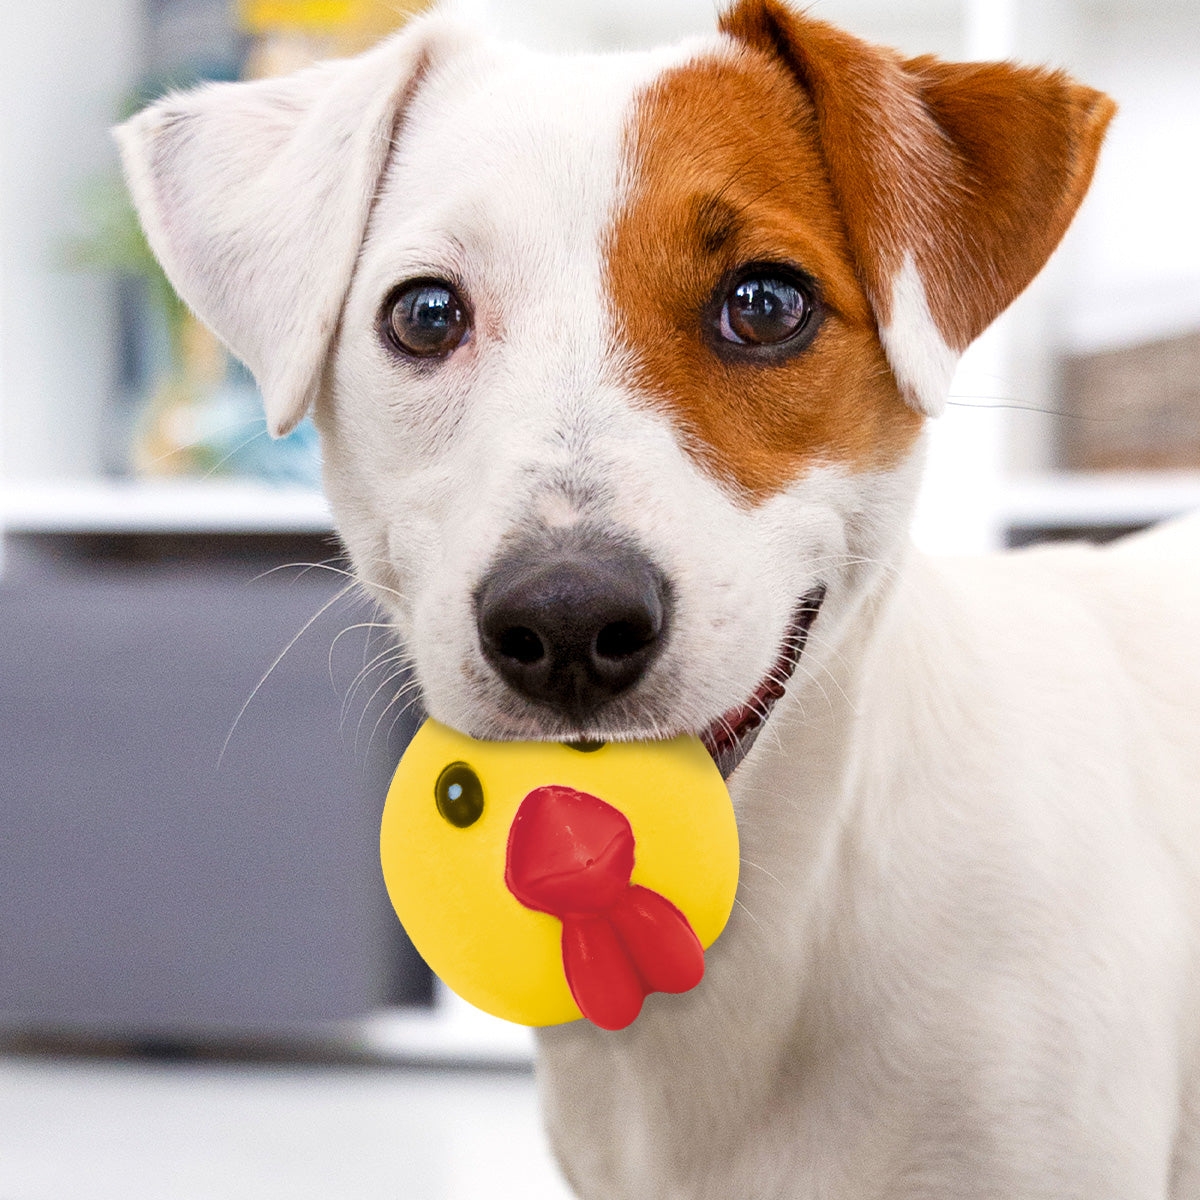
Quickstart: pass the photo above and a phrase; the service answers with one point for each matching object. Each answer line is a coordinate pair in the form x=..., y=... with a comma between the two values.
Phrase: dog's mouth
x=729, y=738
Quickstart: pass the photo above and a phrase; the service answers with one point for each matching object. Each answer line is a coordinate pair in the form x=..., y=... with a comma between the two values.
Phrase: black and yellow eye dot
x=459, y=795
x=585, y=747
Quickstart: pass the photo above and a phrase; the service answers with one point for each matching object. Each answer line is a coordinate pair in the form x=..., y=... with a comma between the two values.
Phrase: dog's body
x=641, y=347
x=963, y=961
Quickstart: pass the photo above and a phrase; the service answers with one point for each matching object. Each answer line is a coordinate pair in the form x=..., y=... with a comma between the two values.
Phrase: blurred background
x=203, y=992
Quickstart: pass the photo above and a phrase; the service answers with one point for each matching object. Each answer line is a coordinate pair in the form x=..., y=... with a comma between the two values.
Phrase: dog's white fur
x=962, y=962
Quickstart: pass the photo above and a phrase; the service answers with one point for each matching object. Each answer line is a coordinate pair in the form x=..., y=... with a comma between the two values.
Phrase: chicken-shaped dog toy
x=545, y=881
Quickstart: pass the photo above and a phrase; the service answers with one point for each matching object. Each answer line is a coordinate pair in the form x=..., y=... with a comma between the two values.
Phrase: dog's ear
x=255, y=197
x=956, y=180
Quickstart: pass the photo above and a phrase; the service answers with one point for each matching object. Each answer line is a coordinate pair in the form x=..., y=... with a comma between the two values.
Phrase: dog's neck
x=788, y=793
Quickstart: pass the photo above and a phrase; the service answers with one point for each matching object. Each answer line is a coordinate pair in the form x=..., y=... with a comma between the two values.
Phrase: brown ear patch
x=727, y=170
x=973, y=169
x=1026, y=145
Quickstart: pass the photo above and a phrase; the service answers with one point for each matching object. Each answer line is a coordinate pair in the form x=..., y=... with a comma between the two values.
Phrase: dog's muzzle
x=569, y=626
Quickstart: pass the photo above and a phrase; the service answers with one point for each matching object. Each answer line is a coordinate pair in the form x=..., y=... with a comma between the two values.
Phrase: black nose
x=572, y=628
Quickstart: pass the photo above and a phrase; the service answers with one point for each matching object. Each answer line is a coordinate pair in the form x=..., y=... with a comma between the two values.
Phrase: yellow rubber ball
x=447, y=843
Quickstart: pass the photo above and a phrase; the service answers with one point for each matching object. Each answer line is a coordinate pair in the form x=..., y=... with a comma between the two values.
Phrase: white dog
x=621, y=366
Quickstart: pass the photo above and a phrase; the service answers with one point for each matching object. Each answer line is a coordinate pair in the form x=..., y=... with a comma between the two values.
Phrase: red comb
x=571, y=855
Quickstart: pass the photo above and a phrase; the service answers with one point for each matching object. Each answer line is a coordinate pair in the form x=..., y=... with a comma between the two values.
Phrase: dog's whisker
x=740, y=903
x=259, y=432
x=749, y=862
x=807, y=667
x=301, y=569
x=389, y=653
x=395, y=668
x=232, y=428
x=370, y=626
x=385, y=660
x=810, y=676
x=366, y=654
x=393, y=659
x=804, y=671
x=346, y=573
x=413, y=697
x=407, y=689
x=394, y=674
x=340, y=595
x=388, y=566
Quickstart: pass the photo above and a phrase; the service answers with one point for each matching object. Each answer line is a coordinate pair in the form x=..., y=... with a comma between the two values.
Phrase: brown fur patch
x=976, y=169
x=728, y=170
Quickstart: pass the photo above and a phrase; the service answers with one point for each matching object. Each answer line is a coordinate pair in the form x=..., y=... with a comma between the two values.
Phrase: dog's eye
x=764, y=306
x=426, y=319
x=459, y=795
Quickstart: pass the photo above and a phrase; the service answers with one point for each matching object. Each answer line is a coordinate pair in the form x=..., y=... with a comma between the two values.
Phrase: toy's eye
x=426, y=319
x=459, y=795
x=585, y=747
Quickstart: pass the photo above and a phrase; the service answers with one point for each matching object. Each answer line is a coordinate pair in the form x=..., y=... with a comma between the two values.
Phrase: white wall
x=915, y=26
x=64, y=65
x=1137, y=271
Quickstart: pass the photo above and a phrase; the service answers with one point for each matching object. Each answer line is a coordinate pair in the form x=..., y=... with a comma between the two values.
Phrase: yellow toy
x=544, y=881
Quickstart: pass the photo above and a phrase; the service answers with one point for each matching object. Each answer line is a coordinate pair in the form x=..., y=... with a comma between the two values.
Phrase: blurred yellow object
x=472, y=829
x=345, y=25
x=259, y=16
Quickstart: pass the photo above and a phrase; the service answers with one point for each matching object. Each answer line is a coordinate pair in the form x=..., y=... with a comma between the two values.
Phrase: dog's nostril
x=620, y=639
x=521, y=644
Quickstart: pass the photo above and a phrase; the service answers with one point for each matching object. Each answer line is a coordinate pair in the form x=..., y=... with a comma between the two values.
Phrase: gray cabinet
x=149, y=886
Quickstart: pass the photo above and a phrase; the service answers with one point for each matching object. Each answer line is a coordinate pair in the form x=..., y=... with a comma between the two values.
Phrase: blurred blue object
x=240, y=445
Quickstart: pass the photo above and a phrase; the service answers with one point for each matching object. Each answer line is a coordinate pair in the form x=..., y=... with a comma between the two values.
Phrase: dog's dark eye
x=426, y=319
x=764, y=306
x=459, y=795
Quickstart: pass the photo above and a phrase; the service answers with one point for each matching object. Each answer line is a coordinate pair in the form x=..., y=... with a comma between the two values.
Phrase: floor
x=117, y=1129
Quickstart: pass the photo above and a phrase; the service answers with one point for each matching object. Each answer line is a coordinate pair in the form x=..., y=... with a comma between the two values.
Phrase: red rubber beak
x=571, y=855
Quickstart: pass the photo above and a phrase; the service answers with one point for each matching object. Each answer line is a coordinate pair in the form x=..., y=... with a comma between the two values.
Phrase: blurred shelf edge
x=451, y=1034
x=223, y=506
x=161, y=506
x=1097, y=499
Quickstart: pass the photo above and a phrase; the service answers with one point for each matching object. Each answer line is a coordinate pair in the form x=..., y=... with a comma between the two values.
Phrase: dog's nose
x=574, y=628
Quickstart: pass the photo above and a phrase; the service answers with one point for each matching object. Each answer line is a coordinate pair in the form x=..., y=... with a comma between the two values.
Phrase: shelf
x=1056, y=500
x=161, y=506
x=1098, y=499
x=452, y=1033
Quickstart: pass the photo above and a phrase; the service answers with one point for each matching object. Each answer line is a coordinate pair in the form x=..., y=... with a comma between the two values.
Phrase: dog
x=621, y=366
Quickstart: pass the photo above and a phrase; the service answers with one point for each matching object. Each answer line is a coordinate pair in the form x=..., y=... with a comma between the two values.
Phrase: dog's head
x=620, y=363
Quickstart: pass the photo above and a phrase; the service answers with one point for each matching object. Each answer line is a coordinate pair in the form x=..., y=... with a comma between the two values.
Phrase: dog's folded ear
x=956, y=181
x=255, y=197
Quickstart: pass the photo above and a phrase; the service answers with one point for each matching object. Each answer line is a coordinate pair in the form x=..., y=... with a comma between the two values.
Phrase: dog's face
x=620, y=364
x=651, y=392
